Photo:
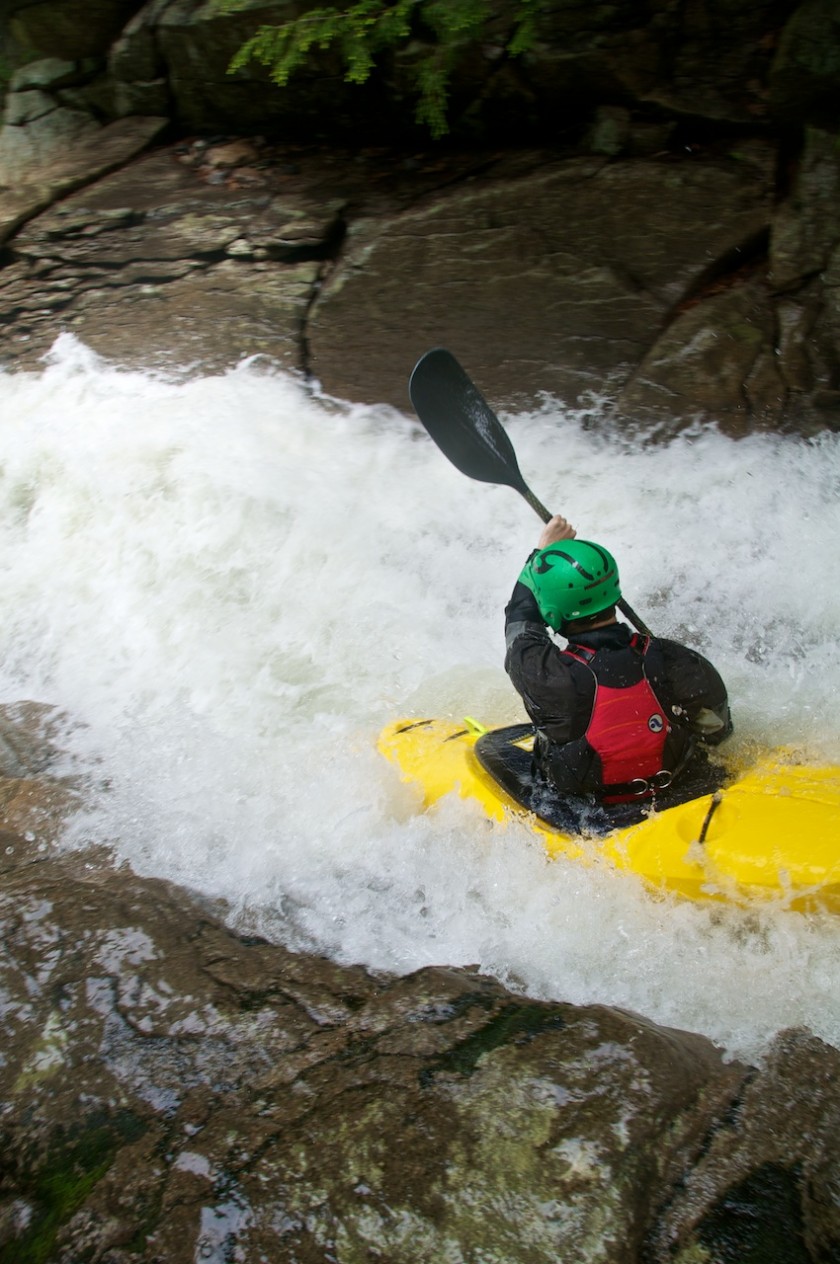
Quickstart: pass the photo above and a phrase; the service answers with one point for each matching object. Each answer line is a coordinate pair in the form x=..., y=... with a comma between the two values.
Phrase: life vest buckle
x=641, y=786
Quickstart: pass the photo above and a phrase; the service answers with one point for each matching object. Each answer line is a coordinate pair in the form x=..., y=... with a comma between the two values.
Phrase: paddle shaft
x=470, y=435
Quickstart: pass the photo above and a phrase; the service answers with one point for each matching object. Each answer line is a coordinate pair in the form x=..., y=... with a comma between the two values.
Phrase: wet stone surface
x=171, y=1091
x=344, y=267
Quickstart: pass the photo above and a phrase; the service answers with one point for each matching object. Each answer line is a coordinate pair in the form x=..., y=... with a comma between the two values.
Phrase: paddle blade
x=461, y=422
x=468, y=432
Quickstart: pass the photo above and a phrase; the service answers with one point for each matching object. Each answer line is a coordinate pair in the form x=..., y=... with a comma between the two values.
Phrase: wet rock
x=170, y=1090
x=518, y=279
x=804, y=79
x=235, y=154
x=37, y=131
x=65, y=29
x=173, y=1087
x=39, y=785
x=687, y=176
x=202, y=1092
x=532, y=269
x=31, y=737
x=706, y=62
x=165, y=269
x=766, y=1186
x=27, y=187
x=716, y=360
x=803, y=270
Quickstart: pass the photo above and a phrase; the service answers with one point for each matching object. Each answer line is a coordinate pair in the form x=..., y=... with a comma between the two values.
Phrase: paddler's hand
x=556, y=529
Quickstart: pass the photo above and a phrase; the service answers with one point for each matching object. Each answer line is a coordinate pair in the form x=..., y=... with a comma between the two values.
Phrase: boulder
x=203, y=1094
x=690, y=62
x=717, y=359
x=172, y=1090
x=635, y=216
x=158, y=265
x=65, y=29
x=539, y=283
x=804, y=77
x=32, y=176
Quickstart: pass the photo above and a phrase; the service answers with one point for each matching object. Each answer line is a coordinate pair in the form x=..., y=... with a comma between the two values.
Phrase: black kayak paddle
x=468, y=432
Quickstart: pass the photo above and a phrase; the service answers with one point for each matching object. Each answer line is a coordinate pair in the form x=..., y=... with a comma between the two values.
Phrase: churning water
x=231, y=587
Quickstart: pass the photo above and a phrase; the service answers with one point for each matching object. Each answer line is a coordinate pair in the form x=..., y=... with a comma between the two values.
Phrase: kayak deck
x=771, y=834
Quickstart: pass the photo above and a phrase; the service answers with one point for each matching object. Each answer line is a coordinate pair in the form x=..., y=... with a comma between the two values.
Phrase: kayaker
x=619, y=716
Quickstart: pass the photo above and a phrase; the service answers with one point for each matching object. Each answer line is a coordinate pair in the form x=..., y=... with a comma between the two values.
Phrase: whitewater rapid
x=230, y=586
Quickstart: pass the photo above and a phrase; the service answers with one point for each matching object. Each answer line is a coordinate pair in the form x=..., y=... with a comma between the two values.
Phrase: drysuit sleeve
x=553, y=691
x=521, y=612
x=695, y=686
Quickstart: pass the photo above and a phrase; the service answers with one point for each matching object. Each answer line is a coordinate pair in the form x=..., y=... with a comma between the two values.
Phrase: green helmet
x=571, y=580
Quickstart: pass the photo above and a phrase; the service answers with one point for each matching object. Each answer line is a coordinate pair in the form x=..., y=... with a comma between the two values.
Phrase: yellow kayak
x=771, y=834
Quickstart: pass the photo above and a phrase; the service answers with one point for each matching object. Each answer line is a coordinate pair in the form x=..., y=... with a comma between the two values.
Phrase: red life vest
x=628, y=729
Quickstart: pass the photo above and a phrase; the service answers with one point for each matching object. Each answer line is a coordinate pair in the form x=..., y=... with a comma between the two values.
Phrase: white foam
x=233, y=587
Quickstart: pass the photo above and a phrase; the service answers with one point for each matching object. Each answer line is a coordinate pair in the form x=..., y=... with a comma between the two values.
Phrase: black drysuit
x=559, y=693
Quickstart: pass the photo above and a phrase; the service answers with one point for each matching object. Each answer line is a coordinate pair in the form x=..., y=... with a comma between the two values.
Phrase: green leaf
x=364, y=30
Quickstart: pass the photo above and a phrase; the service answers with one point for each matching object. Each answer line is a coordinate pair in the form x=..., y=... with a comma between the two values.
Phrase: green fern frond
x=525, y=35
x=433, y=82
x=366, y=28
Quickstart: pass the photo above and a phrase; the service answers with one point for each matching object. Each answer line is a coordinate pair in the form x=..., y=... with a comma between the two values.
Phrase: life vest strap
x=584, y=654
x=639, y=787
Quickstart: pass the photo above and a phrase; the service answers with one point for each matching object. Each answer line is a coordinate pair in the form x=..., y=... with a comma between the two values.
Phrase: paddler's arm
x=556, y=529
x=697, y=687
x=522, y=614
x=543, y=677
